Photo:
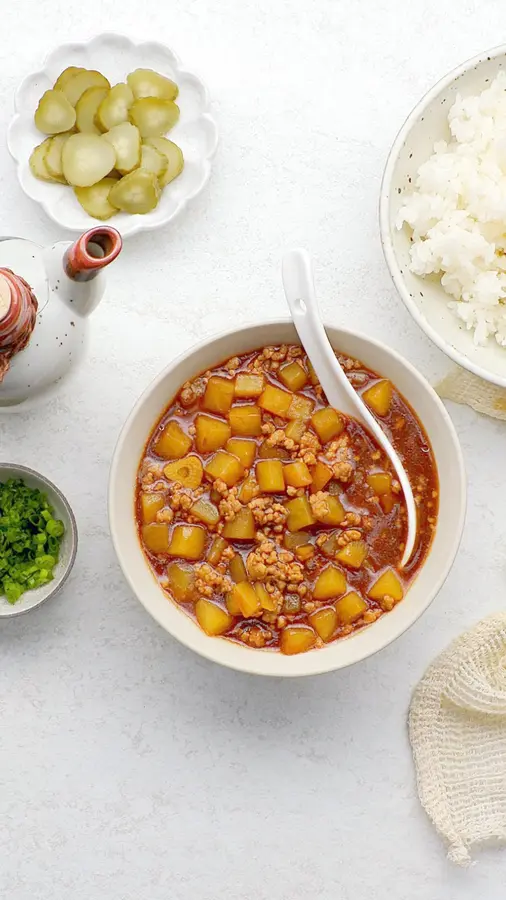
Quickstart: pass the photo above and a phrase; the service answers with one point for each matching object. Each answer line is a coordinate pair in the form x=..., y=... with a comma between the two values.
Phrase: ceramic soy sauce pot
x=46, y=296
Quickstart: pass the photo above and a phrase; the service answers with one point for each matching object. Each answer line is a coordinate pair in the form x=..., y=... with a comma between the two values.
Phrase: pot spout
x=94, y=250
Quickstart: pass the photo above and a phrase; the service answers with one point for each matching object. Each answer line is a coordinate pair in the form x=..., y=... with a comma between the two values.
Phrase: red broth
x=274, y=520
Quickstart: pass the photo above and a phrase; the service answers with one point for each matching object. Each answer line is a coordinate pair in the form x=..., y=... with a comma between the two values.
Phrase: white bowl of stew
x=264, y=531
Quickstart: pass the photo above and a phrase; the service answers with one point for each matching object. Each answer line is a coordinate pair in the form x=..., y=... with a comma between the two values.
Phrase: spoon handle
x=300, y=294
x=301, y=298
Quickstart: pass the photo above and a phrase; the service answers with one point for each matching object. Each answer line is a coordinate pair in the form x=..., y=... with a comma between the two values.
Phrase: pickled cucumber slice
x=147, y=83
x=86, y=109
x=53, y=155
x=54, y=113
x=114, y=108
x=137, y=192
x=78, y=84
x=95, y=199
x=153, y=117
x=126, y=140
x=65, y=77
x=173, y=155
x=86, y=159
x=153, y=161
x=37, y=162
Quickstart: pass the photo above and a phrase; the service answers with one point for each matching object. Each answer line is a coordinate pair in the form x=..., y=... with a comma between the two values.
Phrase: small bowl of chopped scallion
x=38, y=539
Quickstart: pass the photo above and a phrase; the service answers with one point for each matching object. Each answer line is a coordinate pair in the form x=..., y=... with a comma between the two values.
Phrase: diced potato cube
x=267, y=601
x=232, y=604
x=321, y=475
x=247, y=599
x=188, y=542
x=350, y=607
x=249, y=489
x=327, y=423
x=237, y=569
x=324, y=622
x=330, y=547
x=334, y=513
x=225, y=467
x=297, y=639
x=211, y=434
x=218, y=395
x=216, y=550
x=270, y=477
x=300, y=514
x=212, y=618
x=188, y=472
x=300, y=408
x=248, y=385
x=387, y=502
x=297, y=474
x=379, y=397
x=387, y=585
x=305, y=552
x=380, y=482
x=331, y=582
x=181, y=581
x=244, y=450
x=353, y=554
x=276, y=401
x=312, y=374
x=295, y=429
x=155, y=537
x=292, y=604
x=205, y=511
x=172, y=442
x=150, y=504
x=245, y=420
x=242, y=527
x=293, y=376
x=267, y=451
x=296, y=539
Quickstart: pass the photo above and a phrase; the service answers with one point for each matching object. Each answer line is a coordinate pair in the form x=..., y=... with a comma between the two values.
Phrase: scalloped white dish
x=116, y=56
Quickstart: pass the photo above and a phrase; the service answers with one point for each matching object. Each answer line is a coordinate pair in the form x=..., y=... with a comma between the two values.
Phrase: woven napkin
x=463, y=387
x=457, y=729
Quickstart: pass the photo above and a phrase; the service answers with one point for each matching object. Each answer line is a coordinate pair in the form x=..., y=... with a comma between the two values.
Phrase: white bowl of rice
x=443, y=215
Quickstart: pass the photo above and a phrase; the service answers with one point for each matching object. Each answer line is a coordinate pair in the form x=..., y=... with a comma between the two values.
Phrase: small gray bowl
x=33, y=599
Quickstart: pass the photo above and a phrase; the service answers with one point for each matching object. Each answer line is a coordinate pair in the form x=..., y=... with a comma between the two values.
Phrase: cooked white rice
x=458, y=212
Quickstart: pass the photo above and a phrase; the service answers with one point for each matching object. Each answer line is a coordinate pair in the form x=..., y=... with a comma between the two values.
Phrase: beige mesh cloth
x=457, y=729
x=463, y=387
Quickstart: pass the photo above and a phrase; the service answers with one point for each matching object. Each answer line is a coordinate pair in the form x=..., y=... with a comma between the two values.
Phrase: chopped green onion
x=30, y=539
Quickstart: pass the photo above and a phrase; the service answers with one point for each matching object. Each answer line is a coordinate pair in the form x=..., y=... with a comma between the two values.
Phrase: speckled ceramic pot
x=46, y=295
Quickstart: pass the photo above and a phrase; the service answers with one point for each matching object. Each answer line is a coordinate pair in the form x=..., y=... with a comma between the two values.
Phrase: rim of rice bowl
x=416, y=117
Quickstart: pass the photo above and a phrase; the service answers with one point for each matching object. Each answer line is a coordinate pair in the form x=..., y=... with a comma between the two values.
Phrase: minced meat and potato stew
x=272, y=518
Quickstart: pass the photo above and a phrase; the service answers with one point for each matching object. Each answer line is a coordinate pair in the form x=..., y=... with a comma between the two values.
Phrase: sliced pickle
x=126, y=140
x=78, y=84
x=95, y=199
x=86, y=109
x=65, y=77
x=86, y=159
x=38, y=162
x=137, y=192
x=173, y=155
x=147, y=83
x=152, y=116
x=54, y=113
x=114, y=108
x=153, y=161
x=53, y=155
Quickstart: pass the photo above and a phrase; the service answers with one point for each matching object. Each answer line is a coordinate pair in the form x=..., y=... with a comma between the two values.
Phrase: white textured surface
x=130, y=769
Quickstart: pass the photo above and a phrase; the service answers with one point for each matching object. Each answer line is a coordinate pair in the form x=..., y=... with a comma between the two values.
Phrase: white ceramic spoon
x=300, y=294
